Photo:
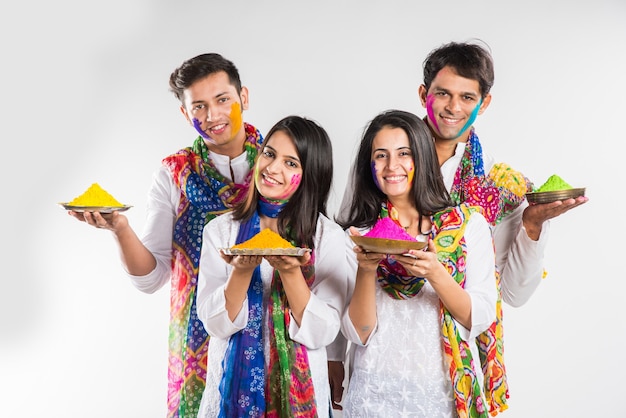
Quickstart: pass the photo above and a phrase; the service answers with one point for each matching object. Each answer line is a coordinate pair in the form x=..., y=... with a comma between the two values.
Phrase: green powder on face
x=554, y=183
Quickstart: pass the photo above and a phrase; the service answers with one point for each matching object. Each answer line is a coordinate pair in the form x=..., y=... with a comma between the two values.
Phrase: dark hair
x=428, y=191
x=298, y=219
x=468, y=60
x=199, y=67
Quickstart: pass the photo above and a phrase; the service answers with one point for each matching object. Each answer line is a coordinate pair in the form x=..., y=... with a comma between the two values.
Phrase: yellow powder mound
x=265, y=239
x=95, y=196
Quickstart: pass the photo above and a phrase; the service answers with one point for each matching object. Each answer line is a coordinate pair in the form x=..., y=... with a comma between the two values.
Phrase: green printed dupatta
x=448, y=230
x=204, y=194
x=498, y=193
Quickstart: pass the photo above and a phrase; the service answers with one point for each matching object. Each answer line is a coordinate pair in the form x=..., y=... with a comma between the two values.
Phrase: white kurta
x=163, y=200
x=518, y=258
x=400, y=371
x=320, y=323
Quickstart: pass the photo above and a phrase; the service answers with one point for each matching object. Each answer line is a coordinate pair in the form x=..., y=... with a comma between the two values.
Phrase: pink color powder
x=386, y=228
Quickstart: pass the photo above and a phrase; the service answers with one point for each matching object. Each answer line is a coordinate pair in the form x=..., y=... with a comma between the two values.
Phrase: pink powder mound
x=386, y=228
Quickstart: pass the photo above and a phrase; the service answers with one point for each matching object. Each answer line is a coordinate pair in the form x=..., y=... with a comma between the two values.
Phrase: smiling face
x=214, y=108
x=452, y=104
x=392, y=162
x=278, y=170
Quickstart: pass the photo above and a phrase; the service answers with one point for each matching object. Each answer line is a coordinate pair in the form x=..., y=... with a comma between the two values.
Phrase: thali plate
x=295, y=251
x=387, y=246
x=553, y=196
x=101, y=209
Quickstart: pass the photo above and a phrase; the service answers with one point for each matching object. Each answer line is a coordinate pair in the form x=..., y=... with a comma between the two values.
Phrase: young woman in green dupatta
x=270, y=317
x=413, y=318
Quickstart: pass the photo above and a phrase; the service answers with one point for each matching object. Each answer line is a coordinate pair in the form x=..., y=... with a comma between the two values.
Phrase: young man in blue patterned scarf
x=192, y=186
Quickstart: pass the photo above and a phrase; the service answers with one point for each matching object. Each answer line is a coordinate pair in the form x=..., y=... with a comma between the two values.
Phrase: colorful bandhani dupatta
x=448, y=229
x=205, y=194
x=290, y=390
x=287, y=389
x=449, y=226
x=242, y=387
x=498, y=193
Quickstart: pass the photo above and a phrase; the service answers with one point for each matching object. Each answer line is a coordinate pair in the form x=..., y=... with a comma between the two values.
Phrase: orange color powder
x=265, y=239
x=236, y=117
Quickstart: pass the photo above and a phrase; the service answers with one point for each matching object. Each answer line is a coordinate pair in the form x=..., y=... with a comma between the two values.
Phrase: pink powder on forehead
x=386, y=228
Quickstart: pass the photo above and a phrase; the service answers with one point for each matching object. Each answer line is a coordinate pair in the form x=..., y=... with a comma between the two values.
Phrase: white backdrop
x=85, y=99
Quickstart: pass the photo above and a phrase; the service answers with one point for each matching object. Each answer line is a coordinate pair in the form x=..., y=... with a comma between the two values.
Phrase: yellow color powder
x=95, y=196
x=265, y=239
x=236, y=117
x=554, y=183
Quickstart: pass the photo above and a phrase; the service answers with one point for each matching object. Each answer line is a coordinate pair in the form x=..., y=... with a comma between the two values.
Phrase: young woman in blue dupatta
x=271, y=317
x=413, y=318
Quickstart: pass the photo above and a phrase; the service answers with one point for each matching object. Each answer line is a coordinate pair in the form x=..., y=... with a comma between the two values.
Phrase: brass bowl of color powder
x=554, y=195
x=294, y=251
x=387, y=246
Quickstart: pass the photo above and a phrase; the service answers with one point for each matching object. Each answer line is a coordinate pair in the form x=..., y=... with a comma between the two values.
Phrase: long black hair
x=428, y=191
x=298, y=219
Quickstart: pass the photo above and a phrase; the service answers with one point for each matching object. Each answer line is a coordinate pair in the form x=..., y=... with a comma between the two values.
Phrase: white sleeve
x=480, y=279
x=519, y=258
x=163, y=199
x=213, y=273
x=321, y=320
x=347, y=327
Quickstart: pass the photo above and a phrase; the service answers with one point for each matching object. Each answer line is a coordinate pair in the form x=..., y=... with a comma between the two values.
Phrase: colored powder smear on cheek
x=257, y=177
x=236, y=118
x=374, y=176
x=198, y=125
x=293, y=186
x=429, y=110
x=411, y=175
x=472, y=118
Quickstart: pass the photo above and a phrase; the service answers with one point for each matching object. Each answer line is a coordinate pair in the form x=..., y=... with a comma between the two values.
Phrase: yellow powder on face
x=236, y=117
x=265, y=239
x=95, y=196
x=554, y=183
